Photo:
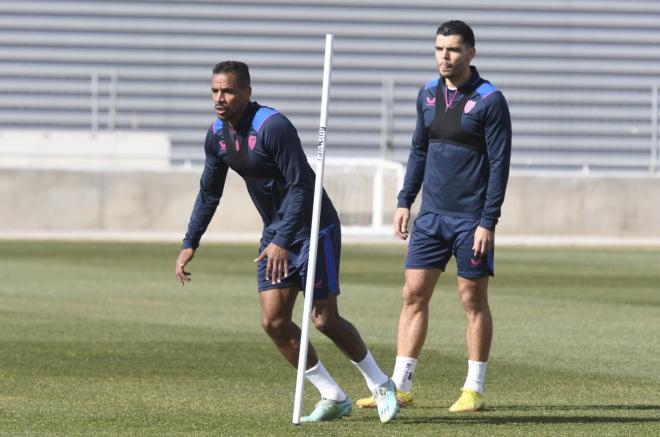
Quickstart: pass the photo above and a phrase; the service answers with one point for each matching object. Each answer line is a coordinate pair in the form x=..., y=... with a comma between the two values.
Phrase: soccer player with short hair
x=461, y=151
x=262, y=146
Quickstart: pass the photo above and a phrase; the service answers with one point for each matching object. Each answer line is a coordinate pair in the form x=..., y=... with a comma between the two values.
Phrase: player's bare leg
x=276, y=312
x=473, y=293
x=413, y=324
x=479, y=333
x=414, y=318
x=343, y=334
x=346, y=337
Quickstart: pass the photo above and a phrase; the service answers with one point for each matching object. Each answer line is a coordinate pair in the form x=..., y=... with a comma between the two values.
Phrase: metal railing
x=618, y=129
x=112, y=100
x=603, y=133
x=655, y=145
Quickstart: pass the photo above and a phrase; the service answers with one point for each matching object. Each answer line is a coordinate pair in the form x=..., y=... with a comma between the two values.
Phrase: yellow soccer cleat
x=404, y=399
x=469, y=402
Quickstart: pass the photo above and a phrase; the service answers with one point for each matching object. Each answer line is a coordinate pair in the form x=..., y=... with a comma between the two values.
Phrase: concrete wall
x=58, y=200
x=84, y=150
x=582, y=206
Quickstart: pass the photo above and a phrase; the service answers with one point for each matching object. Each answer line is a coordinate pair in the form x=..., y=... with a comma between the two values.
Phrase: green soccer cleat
x=386, y=403
x=469, y=402
x=327, y=409
x=404, y=398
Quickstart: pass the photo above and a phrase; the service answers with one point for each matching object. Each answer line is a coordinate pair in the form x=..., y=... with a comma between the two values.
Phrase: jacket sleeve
x=498, y=145
x=281, y=139
x=211, y=186
x=416, y=160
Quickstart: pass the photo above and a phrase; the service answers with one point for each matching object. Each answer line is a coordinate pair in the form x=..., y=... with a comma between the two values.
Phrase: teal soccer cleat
x=386, y=403
x=329, y=410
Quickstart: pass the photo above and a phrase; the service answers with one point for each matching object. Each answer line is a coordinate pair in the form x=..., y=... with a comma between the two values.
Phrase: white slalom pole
x=314, y=237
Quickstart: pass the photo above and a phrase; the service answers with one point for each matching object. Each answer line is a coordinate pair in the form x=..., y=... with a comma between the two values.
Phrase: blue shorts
x=326, y=279
x=436, y=237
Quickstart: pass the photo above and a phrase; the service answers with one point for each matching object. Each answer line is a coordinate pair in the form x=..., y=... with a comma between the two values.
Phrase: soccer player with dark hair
x=262, y=146
x=461, y=151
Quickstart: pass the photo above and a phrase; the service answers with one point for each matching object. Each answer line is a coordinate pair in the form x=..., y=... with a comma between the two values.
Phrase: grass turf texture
x=98, y=339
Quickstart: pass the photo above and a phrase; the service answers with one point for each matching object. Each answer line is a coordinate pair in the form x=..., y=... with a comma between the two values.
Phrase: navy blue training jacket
x=461, y=153
x=266, y=151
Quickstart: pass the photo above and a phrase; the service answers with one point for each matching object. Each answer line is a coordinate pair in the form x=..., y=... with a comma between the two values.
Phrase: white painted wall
x=127, y=201
x=84, y=150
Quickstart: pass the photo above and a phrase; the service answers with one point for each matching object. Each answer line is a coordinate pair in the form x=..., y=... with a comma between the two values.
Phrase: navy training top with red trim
x=461, y=151
x=265, y=150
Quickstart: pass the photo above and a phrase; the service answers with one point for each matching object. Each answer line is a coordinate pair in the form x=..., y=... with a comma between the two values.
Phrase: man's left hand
x=278, y=262
x=484, y=242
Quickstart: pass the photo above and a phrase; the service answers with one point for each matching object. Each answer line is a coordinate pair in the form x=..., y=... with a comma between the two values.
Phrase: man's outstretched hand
x=184, y=257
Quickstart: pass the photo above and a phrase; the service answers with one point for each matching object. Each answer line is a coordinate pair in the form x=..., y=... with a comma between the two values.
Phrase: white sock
x=371, y=372
x=404, y=370
x=321, y=379
x=476, y=376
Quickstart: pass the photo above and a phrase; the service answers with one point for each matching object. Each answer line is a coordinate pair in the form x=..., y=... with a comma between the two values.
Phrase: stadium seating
x=578, y=75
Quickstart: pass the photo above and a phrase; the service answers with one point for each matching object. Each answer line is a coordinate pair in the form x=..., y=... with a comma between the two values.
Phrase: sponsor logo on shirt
x=430, y=101
x=469, y=106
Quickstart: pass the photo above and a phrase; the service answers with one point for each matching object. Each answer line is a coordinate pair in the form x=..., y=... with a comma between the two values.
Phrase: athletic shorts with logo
x=436, y=237
x=326, y=278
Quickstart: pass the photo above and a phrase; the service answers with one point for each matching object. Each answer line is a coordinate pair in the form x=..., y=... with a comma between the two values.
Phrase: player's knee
x=325, y=323
x=275, y=327
x=474, y=301
x=414, y=296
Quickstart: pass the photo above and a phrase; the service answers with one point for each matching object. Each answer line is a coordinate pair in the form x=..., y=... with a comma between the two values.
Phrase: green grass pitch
x=98, y=339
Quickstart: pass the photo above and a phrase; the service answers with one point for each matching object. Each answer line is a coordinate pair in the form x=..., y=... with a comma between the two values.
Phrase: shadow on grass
x=499, y=415
x=575, y=407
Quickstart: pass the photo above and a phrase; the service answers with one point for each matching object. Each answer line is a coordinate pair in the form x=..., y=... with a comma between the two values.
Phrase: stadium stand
x=580, y=76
